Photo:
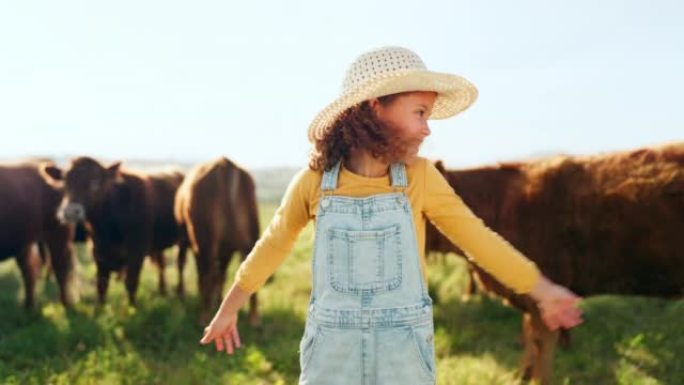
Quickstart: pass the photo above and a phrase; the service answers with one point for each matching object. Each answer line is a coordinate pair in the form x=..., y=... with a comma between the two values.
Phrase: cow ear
x=52, y=174
x=114, y=171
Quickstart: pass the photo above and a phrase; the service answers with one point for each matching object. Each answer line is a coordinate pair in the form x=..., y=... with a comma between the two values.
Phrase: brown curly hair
x=358, y=128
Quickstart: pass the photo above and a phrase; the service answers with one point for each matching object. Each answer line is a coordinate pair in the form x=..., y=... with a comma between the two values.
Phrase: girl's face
x=407, y=116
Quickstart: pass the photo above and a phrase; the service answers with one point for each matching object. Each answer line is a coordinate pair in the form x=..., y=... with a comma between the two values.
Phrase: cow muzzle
x=72, y=212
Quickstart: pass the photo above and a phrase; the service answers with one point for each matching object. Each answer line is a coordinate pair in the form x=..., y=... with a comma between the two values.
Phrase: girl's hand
x=223, y=331
x=557, y=304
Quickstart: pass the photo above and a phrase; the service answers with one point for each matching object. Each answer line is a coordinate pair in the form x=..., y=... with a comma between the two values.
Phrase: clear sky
x=192, y=80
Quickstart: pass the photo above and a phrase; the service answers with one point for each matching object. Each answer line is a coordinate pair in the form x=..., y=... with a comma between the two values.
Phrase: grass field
x=623, y=341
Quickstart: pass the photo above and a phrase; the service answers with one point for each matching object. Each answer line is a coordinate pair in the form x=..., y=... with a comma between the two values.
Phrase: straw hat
x=390, y=70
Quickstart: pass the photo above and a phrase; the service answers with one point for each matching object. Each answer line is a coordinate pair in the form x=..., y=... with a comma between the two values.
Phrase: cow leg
x=44, y=258
x=29, y=265
x=102, y=284
x=225, y=256
x=158, y=259
x=133, y=276
x=207, y=283
x=62, y=260
x=207, y=279
x=206, y=286
x=547, y=340
x=472, y=287
x=472, y=284
x=539, y=348
x=564, y=338
x=529, y=353
x=182, y=257
x=103, y=272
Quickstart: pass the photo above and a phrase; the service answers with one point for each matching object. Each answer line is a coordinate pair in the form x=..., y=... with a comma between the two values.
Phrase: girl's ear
x=375, y=106
x=373, y=102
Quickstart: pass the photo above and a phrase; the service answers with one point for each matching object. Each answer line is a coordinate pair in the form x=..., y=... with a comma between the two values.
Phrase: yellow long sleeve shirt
x=431, y=198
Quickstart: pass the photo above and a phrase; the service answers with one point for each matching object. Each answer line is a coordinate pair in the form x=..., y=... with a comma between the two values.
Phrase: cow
x=30, y=229
x=216, y=205
x=127, y=215
x=603, y=224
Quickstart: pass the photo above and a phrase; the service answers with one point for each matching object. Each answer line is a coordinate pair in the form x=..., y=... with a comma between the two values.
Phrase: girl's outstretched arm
x=494, y=254
x=268, y=253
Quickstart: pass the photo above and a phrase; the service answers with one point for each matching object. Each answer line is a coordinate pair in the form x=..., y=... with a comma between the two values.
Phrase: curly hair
x=358, y=128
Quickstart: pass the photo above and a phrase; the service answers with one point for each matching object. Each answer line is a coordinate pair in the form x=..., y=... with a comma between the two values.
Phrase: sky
x=189, y=81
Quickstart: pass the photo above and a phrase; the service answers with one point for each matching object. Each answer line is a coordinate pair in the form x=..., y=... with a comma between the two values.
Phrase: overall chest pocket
x=365, y=261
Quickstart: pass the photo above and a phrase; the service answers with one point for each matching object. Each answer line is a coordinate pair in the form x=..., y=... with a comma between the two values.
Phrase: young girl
x=370, y=316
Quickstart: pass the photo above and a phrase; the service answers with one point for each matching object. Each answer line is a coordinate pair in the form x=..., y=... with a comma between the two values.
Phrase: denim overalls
x=370, y=316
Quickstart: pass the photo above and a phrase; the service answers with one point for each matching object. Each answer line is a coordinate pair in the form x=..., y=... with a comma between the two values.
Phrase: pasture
x=623, y=340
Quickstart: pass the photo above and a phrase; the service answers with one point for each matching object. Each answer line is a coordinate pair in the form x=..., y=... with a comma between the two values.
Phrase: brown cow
x=128, y=215
x=605, y=224
x=217, y=205
x=28, y=218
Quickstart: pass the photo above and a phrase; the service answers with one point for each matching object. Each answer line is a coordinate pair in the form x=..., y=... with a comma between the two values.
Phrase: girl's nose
x=426, y=131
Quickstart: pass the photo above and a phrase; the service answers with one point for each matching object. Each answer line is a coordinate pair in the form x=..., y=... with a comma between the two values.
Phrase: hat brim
x=454, y=95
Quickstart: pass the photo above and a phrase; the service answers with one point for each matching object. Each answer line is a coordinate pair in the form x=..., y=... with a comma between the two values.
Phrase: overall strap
x=330, y=177
x=398, y=175
x=329, y=180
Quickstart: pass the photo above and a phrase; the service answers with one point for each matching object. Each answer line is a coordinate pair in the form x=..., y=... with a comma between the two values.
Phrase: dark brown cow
x=606, y=224
x=128, y=215
x=28, y=218
x=217, y=205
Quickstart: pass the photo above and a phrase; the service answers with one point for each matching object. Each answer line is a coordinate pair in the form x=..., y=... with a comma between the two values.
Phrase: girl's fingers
x=571, y=301
x=566, y=316
x=552, y=323
x=576, y=318
x=207, y=337
x=236, y=336
x=229, y=343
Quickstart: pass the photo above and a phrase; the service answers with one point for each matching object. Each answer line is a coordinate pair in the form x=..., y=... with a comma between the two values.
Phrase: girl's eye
x=421, y=112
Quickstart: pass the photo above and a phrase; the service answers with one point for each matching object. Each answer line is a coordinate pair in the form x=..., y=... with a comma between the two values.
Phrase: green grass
x=623, y=341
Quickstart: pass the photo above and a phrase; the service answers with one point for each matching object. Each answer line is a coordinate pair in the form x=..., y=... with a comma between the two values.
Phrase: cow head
x=85, y=183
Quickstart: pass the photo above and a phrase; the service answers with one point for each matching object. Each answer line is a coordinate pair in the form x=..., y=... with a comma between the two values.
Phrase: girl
x=370, y=316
